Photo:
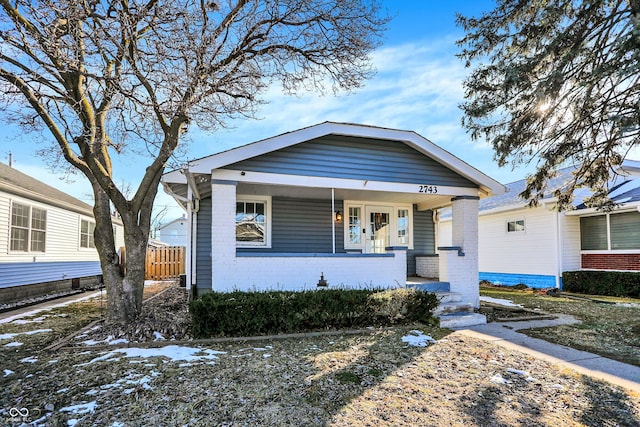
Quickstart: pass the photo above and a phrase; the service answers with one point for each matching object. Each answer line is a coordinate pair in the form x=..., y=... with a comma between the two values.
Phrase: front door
x=378, y=229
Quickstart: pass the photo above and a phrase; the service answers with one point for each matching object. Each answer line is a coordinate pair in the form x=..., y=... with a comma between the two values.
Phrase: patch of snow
x=30, y=359
x=117, y=424
x=498, y=379
x=558, y=386
x=47, y=308
x=118, y=341
x=172, y=352
x=25, y=321
x=8, y=372
x=72, y=422
x=13, y=344
x=266, y=355
x=628, y=304
x=80, y=409
x=157, y=336
x=418, y=339
x=62, y=390
x=517, y=372
x=500, y=301
x=13, y=335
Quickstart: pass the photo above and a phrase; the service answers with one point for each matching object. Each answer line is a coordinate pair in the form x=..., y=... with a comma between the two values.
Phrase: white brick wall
x=462, y=271
x=427, y=266
x=223, y=232
x=298, y=273
x=289, y=272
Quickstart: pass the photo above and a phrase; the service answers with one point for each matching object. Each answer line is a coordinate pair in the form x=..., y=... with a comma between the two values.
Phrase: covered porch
x=350, y=204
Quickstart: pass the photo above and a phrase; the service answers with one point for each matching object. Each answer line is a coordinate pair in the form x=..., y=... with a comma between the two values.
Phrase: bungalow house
x=349, y=204
x=46, y=239
x=533, y=246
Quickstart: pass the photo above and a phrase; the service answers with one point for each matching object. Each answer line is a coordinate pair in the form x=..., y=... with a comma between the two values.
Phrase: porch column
x=223, y=232
x=459, y=263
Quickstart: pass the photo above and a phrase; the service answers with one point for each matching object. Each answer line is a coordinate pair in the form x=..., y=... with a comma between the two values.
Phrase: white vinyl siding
x=62, y=234
x=570, y=242
x=530, y=252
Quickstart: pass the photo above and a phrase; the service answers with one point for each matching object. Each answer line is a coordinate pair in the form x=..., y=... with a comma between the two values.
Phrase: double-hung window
x=253, y=222
x=87, y=229
x=28, y=228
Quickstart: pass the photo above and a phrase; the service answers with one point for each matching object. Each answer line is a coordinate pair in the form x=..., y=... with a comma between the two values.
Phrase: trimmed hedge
x=218, y=314
x=612, y=283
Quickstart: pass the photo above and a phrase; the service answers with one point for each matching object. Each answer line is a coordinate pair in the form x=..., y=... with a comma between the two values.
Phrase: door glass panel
x=354, y=226
x=379, y=232
x=403, y=227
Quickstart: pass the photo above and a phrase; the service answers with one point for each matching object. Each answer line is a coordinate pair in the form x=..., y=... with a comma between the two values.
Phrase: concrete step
x=448, y=297
x=453, y=307
x=462, y=320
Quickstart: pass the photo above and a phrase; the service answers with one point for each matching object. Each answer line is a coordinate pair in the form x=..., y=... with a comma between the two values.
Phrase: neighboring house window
x=86, y=234
x=28, y=228
x=252, y=226
x=611, y=231
x=515, y=226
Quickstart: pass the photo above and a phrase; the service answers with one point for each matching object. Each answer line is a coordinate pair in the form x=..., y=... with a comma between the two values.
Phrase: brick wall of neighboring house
x=611, y=261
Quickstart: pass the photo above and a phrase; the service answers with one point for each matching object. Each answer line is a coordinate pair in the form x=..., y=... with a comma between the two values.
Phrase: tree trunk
x=124, y=288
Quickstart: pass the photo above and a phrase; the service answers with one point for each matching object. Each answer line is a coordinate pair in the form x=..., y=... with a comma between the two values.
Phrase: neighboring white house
x=533, y=246
x=351, y=203
x=46, y=238
x=174, y=233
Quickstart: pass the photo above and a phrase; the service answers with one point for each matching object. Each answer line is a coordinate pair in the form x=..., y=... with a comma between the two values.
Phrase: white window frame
x=267, y=213
x=364, y=223
x=29, y=228
x=515, y=222
x=89, y=221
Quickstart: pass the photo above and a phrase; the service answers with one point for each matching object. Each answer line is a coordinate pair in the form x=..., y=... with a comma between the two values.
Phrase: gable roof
x=412, y=139
x=15, y=182
x=623, y=188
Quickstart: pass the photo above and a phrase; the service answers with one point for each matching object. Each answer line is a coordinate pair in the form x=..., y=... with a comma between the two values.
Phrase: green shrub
x=257, y=313
x=613, y=283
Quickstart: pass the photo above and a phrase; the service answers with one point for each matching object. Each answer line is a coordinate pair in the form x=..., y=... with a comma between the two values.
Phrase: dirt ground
x=103, y=377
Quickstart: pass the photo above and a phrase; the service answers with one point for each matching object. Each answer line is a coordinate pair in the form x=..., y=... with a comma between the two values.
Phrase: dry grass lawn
x=370, y=379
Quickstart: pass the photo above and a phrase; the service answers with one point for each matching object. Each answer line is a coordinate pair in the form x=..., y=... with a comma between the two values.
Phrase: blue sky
x=417, y=87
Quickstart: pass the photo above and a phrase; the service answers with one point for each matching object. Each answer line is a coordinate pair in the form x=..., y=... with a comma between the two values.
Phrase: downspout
x=193, y=206
x=558, y=250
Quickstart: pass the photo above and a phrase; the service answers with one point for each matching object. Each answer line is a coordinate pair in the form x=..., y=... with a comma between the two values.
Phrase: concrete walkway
x=31, y=310
x=506, y=335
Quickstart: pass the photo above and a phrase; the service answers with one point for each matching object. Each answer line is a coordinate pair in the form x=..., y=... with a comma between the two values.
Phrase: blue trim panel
x=309, y=255
x=29, y=273
x=512, y=279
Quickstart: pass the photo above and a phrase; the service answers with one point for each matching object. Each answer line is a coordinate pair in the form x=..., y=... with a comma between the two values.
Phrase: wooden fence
x=164, y=263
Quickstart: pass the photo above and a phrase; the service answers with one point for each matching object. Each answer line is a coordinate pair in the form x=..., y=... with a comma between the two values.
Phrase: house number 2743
x=428, y=189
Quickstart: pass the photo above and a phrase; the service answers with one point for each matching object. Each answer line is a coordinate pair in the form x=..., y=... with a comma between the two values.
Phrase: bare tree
x=102, y=77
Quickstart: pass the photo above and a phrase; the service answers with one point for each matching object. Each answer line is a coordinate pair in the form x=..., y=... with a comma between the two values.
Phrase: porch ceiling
x=424, y=201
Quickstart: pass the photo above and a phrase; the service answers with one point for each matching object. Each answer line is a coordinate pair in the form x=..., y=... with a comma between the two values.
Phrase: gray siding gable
x=350, y=157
